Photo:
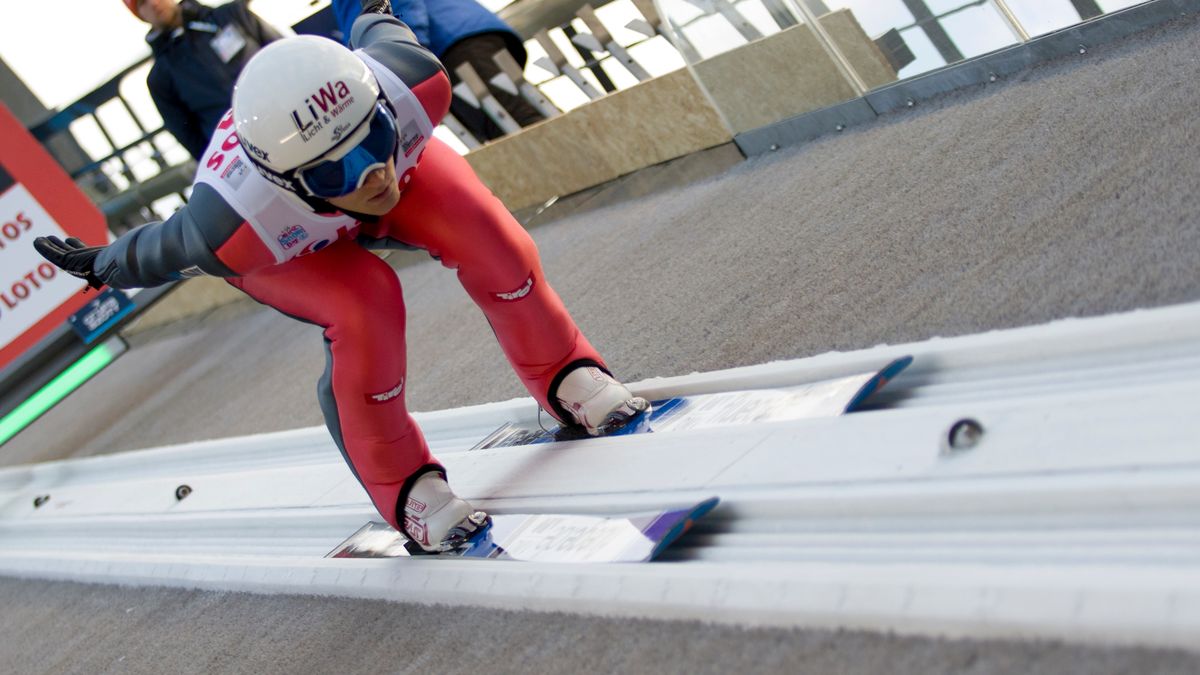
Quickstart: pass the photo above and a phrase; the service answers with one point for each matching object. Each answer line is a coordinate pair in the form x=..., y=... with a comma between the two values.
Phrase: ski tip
x=702, y=508
x=893, y=369
x=685, y=523
x=879, y=381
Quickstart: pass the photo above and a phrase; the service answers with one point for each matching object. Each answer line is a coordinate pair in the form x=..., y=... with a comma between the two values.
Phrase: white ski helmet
x=299, y=99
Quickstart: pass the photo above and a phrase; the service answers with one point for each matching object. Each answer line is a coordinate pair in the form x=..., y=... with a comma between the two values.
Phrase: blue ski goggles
x=338, y=177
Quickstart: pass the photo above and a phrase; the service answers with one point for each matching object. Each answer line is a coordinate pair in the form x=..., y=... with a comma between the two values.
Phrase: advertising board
x=37, y=198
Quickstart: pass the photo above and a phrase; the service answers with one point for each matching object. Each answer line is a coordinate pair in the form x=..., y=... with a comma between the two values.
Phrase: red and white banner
x=30, y=287
x=37, y=199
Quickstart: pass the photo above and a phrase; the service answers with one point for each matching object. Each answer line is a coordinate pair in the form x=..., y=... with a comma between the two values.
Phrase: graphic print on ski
x=556, y=538
x=825, y=398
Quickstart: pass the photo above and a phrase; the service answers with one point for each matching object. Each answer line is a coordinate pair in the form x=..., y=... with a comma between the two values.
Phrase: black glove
x=72, y=256
x=376, y=7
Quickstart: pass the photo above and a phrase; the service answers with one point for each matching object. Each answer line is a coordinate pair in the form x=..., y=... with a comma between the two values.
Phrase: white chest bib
x=282, y=221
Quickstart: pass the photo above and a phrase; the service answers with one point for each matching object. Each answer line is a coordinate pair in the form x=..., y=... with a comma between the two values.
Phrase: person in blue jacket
x=457, y=32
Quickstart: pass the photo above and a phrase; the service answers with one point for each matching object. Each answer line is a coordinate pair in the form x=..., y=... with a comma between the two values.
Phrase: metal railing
x=111, y=180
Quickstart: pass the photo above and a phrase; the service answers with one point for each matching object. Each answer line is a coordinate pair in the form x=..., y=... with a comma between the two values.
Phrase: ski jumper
x=315, y=267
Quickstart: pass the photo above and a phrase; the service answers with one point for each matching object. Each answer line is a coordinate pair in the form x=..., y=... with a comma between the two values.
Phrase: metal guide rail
x=1038, y=482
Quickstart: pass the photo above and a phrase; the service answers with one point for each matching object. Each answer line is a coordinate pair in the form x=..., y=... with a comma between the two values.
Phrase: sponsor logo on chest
x=235, y=174
x=411, y=137
x=292, y=236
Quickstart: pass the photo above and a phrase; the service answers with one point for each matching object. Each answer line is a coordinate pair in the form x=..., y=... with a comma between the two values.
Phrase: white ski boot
x=597, y=402
x=436, y=520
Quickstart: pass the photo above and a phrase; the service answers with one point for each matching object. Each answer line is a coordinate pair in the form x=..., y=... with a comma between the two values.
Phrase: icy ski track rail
x=1076, y=515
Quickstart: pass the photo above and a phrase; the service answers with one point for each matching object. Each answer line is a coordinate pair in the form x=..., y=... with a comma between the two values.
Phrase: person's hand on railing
x=72, y=256
x=376, y=6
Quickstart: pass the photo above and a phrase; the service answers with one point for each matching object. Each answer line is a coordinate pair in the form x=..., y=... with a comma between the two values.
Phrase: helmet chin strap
x=316, y=204
x=323, y=206
x=361, y=217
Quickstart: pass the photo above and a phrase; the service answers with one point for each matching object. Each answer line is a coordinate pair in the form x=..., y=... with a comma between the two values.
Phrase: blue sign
x=100, y=314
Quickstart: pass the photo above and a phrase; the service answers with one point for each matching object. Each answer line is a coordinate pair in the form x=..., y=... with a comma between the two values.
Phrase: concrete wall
x=780, y=76
x=646, y=124
x=789, y=73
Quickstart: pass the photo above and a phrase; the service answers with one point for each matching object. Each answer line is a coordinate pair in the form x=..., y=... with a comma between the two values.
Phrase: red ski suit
x=356, y=297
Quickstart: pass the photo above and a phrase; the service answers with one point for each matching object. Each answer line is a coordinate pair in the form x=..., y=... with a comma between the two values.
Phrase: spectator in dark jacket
x=198, y=53
x=457, y=32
